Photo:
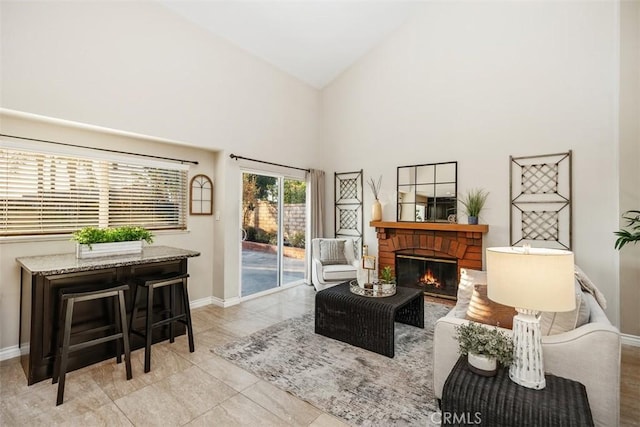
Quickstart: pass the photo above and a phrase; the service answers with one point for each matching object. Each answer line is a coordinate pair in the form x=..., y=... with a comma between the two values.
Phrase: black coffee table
x=367, y=322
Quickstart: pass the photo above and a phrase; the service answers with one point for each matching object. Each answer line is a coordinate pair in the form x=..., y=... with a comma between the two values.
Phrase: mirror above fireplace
x=428, y=192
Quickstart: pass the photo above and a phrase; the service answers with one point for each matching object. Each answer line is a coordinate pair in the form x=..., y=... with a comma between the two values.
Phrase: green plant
x=478, y=339
x=297, y=240
x=474, y=201
x=91, y=235
x=631, y=235
x=386, y=275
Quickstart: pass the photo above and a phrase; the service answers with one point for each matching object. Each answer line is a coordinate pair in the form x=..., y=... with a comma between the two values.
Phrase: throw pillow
x=468, y=278
x=483, y=310
x=332, y=252
x=552, y=323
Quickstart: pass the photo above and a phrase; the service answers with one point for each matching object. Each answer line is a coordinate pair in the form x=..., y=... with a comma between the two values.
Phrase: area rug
x=358, y=386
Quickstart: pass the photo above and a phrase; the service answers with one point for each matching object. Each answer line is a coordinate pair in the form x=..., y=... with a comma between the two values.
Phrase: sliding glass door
x=273, y=231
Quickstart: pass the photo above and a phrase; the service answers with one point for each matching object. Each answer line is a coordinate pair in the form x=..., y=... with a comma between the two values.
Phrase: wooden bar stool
x=67, y=299
x=169, y=316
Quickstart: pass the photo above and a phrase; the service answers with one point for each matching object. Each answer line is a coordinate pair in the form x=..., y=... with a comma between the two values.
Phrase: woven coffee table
x=364, y=321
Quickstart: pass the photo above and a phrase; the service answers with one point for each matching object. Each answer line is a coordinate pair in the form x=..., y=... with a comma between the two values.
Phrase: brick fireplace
x=425, y=251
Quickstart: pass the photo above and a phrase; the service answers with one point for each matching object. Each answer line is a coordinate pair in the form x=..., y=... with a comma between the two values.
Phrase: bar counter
x=43, y=276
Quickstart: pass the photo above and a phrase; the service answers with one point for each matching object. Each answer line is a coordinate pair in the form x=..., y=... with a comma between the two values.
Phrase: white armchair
x=333, y=262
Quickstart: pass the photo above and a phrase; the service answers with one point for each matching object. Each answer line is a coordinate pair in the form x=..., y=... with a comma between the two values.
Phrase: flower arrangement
x=633, y=233
x=90, y=235
x=478, y=339
x=375, y=187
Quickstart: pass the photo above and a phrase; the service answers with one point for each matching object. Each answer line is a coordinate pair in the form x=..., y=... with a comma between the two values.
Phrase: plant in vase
x=94, y=242
x=386, y=276
x=484, y=347
x=473, y=203
x=376, y=207
x=633, y=232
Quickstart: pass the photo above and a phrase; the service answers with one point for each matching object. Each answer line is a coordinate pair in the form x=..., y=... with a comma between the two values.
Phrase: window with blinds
x=52, y=194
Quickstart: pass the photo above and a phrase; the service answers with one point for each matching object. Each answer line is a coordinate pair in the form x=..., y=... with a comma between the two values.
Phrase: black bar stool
x=67, y=298
x=169, y=316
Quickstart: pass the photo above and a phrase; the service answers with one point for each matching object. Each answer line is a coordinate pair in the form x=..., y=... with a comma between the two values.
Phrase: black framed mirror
x=428, y=192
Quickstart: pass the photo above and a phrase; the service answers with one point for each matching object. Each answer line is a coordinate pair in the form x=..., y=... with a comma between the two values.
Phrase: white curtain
x=315, y=215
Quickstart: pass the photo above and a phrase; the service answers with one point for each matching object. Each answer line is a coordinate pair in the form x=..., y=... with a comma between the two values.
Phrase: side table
x=471, y=399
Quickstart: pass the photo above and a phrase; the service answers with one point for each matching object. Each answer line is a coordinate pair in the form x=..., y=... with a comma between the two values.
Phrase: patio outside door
x=273, y=232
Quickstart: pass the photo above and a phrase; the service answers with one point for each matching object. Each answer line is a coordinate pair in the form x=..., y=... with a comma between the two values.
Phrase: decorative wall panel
x=540, y=193
x=348, y=207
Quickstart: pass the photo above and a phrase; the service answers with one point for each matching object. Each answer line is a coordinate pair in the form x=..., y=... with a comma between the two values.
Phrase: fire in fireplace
x=438, y=276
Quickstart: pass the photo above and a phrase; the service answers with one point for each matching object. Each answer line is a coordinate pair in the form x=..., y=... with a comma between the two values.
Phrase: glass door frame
x=280, y=235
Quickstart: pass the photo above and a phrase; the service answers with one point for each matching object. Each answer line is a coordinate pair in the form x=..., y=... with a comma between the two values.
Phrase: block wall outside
x=265, y=216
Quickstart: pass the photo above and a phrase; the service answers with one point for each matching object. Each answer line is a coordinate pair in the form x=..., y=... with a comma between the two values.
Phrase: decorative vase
x=473, y=220
x=376, y=211
x=482, y=365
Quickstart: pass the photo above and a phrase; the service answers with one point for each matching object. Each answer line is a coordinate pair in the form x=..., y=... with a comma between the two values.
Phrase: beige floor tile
x=325, y=420
x=38, y=404
x=175, y=400
x=152, y=406
x=228, y=373
x=196, y=390
x=164, y=361
x=283, y=404
x=205, y=341
x=246, y=326
x=112, y=376
x=239, y=411
x=13, y=380
x=108, y=415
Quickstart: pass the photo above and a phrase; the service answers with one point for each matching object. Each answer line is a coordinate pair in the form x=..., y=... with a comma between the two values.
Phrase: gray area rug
x=358, y=386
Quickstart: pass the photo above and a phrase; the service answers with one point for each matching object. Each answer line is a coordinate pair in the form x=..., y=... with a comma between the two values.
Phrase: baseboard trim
x=224, y=303
x=11, y=352
x=202, y=302
x=628, y=339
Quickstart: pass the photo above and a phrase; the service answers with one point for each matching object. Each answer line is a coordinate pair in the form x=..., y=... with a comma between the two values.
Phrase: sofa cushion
x=552, y=323
x=483, y=310
x=332, y=252
x=336, y=272
x=468, y=278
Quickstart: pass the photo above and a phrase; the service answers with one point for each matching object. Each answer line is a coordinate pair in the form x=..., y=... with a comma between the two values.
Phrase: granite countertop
x=45, y=265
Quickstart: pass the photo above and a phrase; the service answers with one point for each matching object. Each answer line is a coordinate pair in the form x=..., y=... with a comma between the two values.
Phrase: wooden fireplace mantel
x=431, y=226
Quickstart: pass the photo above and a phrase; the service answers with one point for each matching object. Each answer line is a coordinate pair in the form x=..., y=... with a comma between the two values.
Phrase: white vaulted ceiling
x=312, y=40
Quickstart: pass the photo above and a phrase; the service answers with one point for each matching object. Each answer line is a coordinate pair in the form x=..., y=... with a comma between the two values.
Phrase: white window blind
x=44, y=193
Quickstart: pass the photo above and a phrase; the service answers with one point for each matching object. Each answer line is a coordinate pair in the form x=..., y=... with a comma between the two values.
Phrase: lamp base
x=527, y=368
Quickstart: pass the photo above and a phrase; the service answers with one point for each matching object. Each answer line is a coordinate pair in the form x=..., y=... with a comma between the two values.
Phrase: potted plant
x=376, y=207
x=473, y=203
x=386, y=276
x=484, y=347
x=633, y=233
x=93, y=242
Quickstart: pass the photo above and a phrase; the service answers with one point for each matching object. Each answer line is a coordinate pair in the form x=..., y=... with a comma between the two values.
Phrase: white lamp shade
x=541, y=279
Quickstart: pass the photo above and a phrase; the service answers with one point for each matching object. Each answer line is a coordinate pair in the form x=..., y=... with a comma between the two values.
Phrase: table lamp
x=531, y=280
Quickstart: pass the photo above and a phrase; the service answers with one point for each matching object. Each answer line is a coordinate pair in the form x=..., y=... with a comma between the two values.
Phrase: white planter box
x=108, y=249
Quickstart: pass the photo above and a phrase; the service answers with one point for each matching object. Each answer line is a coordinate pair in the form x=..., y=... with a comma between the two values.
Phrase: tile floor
x=199, y=389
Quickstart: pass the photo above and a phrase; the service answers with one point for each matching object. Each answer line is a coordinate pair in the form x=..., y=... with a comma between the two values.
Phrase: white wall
x=475, y=82
x=137, y=67
x=630, y=161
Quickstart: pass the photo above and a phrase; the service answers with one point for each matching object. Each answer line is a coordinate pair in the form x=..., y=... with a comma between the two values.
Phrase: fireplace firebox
x=437, y=276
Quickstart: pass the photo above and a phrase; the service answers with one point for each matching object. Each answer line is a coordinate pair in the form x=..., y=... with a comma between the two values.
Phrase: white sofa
x=327, y=275
x=589, y=354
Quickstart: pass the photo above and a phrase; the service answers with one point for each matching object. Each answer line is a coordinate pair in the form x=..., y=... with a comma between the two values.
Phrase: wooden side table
x=471, y=399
